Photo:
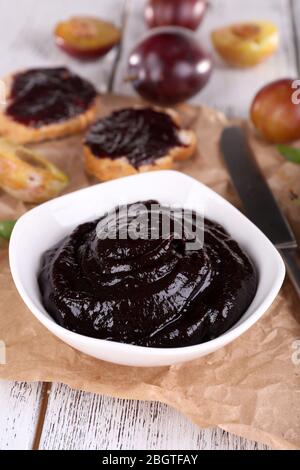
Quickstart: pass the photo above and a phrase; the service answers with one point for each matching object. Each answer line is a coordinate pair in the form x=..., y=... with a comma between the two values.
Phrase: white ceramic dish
x=43, y=226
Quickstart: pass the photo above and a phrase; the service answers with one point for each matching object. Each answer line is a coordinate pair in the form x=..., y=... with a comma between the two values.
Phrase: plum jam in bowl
x=169, y=293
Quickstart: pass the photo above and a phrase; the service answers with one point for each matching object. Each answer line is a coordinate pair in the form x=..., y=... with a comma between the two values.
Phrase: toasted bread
x=21, y=133
x=106, y=168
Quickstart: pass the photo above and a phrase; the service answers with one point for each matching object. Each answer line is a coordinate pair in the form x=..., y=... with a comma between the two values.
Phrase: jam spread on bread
x=156, y=290
x=142, y=135
x=44, y=96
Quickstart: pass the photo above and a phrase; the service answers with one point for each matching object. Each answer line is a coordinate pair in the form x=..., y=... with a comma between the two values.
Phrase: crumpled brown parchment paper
x=250, y=388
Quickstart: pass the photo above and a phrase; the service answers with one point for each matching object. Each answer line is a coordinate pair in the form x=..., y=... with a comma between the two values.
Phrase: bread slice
x=20, y=133
x=105, y=168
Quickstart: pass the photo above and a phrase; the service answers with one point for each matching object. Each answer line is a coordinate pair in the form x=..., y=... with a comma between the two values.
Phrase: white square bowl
x=45, y=225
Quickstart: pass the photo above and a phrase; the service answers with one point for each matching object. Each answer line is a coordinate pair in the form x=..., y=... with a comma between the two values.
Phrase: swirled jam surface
x=48, y=95
x=151, y=292
x=140, y=134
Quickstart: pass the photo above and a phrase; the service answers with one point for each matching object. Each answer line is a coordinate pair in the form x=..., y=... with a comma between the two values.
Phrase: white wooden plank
x=230, y=90
x=26, y=35
x=77, y=420
x=19, y=411
x=26, y=40
x=295, y=11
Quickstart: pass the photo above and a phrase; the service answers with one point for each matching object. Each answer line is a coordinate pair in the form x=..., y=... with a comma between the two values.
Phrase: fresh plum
x=169, y=66
x=274, y=112
x=185, y=13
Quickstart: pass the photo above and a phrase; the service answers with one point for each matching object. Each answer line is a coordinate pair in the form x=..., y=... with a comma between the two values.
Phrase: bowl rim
x=234, y=332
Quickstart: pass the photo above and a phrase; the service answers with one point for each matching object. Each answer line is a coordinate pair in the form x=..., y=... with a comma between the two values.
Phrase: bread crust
x=106, y=168
x=22, y=134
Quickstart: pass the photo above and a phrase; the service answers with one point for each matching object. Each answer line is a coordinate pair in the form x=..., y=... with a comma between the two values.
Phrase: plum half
x=246, y=44
x=169, y=66
x=27, y=176
x=86, y=38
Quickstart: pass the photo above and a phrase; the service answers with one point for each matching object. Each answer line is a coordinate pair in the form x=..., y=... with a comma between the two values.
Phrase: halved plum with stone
x=26, y=175
x=246, y=44
x=86, y=38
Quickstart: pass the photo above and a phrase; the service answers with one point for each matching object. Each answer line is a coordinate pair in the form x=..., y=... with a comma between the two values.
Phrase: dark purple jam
x=154, y=291
x=48, y=95
x=140, y=134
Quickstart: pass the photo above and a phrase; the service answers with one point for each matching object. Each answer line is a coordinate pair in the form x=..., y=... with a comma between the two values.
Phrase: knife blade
x=257, y=199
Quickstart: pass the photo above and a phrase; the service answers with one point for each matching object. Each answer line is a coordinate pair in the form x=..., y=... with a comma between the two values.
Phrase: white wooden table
x=52, y=416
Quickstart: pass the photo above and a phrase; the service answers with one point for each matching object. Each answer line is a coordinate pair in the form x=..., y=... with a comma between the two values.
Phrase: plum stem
x=130, y=78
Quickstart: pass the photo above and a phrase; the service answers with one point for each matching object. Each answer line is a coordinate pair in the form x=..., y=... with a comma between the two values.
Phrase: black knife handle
x=292, y=261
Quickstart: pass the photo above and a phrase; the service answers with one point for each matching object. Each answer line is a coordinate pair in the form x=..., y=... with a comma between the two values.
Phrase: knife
x=258, y=201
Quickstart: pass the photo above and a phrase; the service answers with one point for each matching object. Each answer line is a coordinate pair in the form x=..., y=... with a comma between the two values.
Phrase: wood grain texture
x=78, y=420
x=295, y=13
x=230, y=90
x=26, y=40
x=26, y=35
x=19, y=411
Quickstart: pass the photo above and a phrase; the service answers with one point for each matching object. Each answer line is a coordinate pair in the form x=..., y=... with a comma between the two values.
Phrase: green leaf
x=6, y=227
x=291, y=154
